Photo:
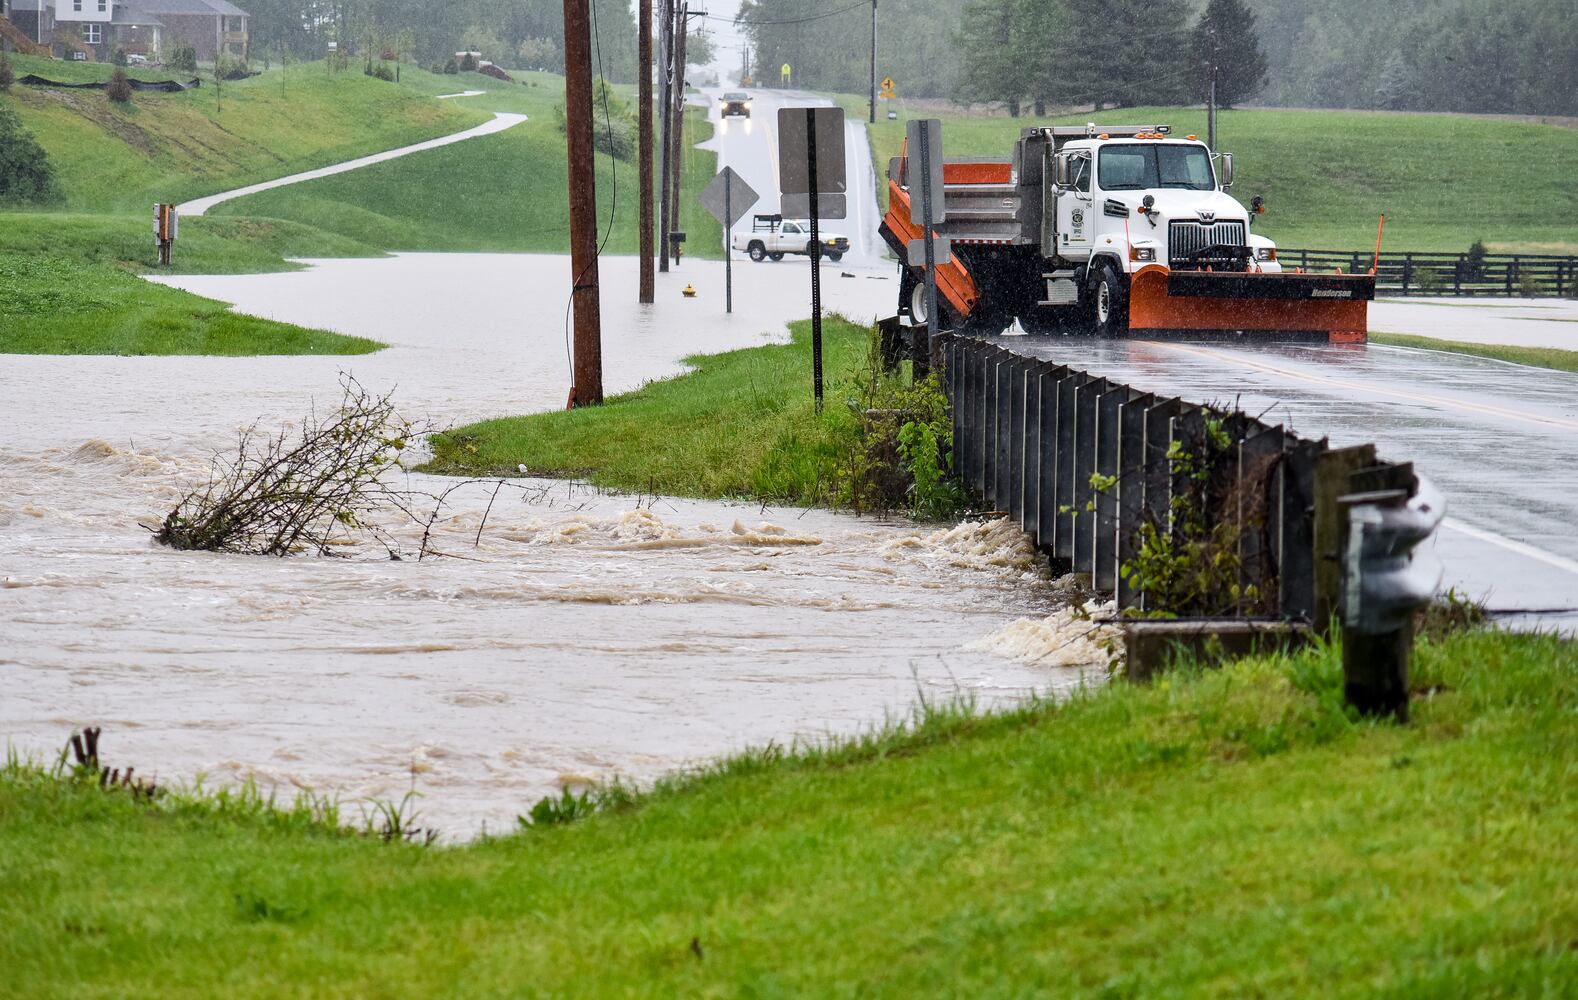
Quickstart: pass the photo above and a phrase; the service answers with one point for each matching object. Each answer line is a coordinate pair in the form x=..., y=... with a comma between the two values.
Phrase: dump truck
x=1116, y=229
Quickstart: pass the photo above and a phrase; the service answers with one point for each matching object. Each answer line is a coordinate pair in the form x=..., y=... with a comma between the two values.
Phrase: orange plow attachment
x=1329, y=307
x=954, y=283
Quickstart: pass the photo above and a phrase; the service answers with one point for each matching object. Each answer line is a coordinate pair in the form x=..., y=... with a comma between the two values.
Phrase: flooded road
x=582, y=637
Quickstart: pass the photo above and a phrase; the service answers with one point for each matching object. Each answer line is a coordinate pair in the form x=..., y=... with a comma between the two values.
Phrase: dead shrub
x=119, y=89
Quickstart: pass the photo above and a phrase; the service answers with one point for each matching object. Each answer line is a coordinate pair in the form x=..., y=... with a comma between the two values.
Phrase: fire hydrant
x=688, y=291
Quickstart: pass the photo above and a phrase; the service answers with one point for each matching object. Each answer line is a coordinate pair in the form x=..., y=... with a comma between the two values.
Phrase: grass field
x=1538, y=357
x=54, y=304
x=742, y=424
x=1443, y=181
x=171, y=147
x=504, y=192
x=1231, y=833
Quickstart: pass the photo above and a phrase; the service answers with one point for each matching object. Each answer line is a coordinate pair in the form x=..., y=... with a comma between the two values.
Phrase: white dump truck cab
x=1146, y=199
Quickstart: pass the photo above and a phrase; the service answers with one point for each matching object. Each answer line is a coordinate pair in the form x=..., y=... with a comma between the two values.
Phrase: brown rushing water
x=585, y=636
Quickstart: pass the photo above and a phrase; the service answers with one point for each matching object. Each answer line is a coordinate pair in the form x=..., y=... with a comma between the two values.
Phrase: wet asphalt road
x=1499, y=440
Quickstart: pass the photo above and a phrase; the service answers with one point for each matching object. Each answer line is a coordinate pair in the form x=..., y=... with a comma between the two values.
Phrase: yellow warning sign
x=785, y=74
x=887, y=93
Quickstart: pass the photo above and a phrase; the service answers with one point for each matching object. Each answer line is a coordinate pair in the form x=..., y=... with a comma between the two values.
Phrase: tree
x=26, y=175
x=1225, y=39
x=7, y=74
x=1392, y=93
x=986, y=37
x=119, y=89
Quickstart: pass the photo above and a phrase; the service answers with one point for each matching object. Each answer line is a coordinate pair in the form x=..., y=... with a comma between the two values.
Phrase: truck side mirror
x=1065, y=171
x=1227, y=170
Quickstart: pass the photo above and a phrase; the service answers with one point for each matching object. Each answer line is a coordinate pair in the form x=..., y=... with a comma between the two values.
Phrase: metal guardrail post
x=1047, y=439
x=1259, y=509
x=1382, y=587
x=989, y=427
x=1296, y=535
x=1332, y=469
x=1086, y=401
x=1036, y=382
x=1158, y=495
x=1129, y=490
x=1104, y=522
x=1063, y=473
x=1002, y=404
x=1015, y=494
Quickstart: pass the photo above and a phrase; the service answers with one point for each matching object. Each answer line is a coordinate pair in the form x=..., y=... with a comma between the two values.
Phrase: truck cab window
x=790, y=227
x=1135, y=167
x=1081, y=172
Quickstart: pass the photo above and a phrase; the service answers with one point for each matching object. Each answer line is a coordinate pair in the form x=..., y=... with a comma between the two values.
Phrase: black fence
x=1084, y=464
x=1525, y=275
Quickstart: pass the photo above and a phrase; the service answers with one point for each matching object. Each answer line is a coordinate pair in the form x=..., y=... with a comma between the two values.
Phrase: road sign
x=785, y=74
x=927, y=131
x=942, y=251
x=888, y=91
x=794, y=147
x=728, y=197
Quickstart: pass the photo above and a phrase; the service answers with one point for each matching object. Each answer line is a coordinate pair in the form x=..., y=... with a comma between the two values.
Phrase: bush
x=613, y=134
x=468, y=63
x=450, y=68
x=118, y=57
x=119, y=88
x=380, y=71
x=183, y=57
x=7, y=74
x=26, y=175
x=1427, y=280
x=1530, y=287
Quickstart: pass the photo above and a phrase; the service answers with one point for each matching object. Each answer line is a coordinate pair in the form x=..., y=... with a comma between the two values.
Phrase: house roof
x=140, y=18
x=156, y=7
x=29, y=5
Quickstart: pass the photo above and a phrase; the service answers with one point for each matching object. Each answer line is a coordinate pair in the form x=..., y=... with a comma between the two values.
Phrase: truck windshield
x=1136, y=166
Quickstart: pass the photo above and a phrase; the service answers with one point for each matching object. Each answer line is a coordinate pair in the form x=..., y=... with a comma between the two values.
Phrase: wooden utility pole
x=588, y=387
x=644, y=141
x=665, y=106
x=676, y=171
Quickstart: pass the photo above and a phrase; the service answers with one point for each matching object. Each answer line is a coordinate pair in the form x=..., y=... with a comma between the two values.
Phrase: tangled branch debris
x=282, y=494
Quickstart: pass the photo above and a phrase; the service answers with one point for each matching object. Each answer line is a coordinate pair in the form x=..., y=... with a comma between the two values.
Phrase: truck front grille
x=1186, y=237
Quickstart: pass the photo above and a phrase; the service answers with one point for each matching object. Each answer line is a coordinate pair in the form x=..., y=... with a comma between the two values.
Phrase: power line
x=752, y=22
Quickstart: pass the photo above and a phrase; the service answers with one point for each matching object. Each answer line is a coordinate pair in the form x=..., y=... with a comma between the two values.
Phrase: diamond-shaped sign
x=728, y=197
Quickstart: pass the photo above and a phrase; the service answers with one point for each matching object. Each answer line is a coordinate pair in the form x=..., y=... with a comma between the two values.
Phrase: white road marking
x=1512, y=545
x=1404, y=394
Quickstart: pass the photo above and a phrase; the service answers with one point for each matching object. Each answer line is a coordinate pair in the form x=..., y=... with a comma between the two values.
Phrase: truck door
x=793, y=239
x=1076, y=223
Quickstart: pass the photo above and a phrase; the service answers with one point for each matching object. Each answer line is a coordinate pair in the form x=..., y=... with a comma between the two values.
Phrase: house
x=143, y=27
x=32, y=25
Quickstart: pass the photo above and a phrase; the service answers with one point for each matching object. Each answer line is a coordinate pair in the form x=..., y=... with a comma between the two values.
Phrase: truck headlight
x=1265, y=253
x=1142, y=253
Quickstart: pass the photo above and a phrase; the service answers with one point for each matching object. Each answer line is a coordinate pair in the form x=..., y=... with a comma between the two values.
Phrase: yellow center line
x=1337, y=383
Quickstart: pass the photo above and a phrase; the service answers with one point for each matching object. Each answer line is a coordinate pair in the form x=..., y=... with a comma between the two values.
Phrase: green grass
x=1538, y=357
x=172, y=147
x=1220, y=834
x=1443, y=181
x=742, y=424
x=503, y=192
x=56, y=303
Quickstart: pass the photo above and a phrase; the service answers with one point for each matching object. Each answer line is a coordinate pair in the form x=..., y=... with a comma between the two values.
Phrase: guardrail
x=1089, y=467
x=1527, y=275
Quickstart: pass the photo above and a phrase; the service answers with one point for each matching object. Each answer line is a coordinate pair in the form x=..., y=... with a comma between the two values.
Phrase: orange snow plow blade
x=1329, y=307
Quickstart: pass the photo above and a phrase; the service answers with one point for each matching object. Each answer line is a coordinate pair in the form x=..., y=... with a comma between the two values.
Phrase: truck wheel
x=757, y=251
x=1044, y=321
x=776, y=256
x=1109, y=299
x=835, y=257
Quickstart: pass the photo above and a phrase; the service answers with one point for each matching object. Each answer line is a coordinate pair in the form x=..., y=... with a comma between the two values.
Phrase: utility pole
x=644, y=141
x=873, y=62
x=665, y=104
x=587, y=389
x=676, y=169
x=1210, y=107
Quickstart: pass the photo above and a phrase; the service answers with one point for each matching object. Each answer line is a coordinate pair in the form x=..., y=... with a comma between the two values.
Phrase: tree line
x=1498, y=56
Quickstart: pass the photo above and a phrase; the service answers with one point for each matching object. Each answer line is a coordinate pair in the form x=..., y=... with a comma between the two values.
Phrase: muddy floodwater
x=582, y=636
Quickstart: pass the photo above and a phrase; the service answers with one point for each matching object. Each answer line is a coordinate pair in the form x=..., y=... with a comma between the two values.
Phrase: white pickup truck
x=772, y=236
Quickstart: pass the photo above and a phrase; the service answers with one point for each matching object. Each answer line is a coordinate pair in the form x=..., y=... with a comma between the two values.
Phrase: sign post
x=811, y=166
x=166, y=227
x=924, y=136
x=728, y=198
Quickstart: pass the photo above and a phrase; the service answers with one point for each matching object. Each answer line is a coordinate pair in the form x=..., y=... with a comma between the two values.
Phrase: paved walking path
x=500, y=122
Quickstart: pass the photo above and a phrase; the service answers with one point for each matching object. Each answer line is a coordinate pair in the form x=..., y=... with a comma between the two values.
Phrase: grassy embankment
x=113, y=162
x=1443, y=181
x=742, y=424
x=1538, y=357
x=504, y=192
x=1221, y=833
